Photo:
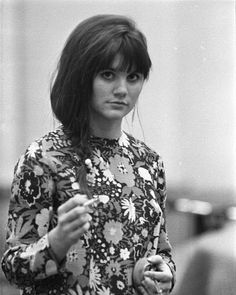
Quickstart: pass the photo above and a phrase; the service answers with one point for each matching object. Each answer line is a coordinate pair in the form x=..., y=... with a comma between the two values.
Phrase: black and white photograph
x=117, y=147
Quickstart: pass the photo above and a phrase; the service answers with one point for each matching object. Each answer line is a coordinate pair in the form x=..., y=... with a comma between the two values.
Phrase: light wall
x=187, y=108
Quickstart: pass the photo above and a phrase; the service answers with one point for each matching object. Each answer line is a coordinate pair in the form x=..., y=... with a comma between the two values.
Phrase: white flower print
x=124, y=140
x=108, y=175
x=124, y=254
x=102, y=198
x=129, y=208
x=32, y=149
x=75, y=186
x=112, y=250
x=144, y=173
x=142, y=220
x=97, y=156
x=42, y=220
x=104, y=291
x=95, y=276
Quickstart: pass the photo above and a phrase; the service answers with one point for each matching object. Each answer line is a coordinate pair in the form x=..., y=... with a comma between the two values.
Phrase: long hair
x=91, y=47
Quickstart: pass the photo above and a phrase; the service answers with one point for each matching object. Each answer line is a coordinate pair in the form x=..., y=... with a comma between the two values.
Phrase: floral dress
x=128, y=222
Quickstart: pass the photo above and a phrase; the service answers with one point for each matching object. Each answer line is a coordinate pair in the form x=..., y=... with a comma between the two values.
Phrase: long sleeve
x=164, y=247
x=28, y=257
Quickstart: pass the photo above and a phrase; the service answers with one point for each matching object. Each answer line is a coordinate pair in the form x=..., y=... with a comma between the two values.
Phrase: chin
x=116, y=115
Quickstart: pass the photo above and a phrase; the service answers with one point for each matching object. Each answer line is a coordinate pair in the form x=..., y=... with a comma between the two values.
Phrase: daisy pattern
x=122, y=170
x=104, y=291
x=95, y=276
x=129, y=208
x=124, y=254
x=76, y=258
x=113, y=231
x=113, y=268
x=32, y=150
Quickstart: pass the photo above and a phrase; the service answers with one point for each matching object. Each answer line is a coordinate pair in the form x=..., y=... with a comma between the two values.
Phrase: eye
x=107, y=74
x=133, y=77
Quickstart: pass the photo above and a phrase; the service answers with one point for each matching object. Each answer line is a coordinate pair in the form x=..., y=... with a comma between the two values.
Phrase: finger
x=142, y=291
x=149, y=285
x=155, y=259
x=165, y=288
x=159, y=285
x=76, y=223
x=77, y=200
x=72, y=215
x=159, y=275
x=75, y=235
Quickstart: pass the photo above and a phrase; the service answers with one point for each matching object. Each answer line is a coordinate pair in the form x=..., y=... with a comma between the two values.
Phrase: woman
x=88, y=199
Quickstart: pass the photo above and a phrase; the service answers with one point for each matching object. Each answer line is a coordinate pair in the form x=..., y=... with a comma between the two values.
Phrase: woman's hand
x=157, y=280
x=73, y=222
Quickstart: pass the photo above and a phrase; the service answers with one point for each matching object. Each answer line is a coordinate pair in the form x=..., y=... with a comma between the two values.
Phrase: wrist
x=58, y=248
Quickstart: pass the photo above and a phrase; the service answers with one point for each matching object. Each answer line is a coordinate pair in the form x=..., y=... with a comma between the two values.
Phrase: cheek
x=100, y=89
x=135, y=92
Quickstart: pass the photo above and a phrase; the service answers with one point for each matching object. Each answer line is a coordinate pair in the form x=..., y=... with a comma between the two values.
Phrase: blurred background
x=187, y=112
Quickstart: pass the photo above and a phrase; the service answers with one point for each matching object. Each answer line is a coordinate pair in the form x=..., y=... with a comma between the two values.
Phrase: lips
x=119, y=103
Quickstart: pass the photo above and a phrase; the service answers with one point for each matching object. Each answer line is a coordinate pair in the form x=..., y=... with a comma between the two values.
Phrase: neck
x=108, y=130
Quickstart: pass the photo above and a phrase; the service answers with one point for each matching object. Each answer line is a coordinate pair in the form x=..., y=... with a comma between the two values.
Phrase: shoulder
x=51, y=141
x=140, y=145
x=46, y=150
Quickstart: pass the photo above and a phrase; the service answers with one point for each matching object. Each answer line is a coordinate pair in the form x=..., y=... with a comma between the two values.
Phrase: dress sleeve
x=164, y=247
x=28, y=256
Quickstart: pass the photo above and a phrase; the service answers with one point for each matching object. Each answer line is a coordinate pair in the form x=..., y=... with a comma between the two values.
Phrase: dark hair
x=90, y=48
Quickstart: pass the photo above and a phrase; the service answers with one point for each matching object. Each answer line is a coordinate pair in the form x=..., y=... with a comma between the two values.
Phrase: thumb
x=155, y=259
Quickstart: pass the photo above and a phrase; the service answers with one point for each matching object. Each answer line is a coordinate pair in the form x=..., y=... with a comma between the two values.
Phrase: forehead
x=119, y=63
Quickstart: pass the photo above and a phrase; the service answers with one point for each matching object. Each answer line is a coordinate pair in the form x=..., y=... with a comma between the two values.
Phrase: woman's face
x=114, y=93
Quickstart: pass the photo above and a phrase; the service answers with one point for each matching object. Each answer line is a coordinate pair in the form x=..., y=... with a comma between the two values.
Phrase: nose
x=120, y=89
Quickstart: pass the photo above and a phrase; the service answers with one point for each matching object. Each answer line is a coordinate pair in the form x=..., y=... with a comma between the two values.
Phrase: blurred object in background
x=206, y=255
x=207, y=263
